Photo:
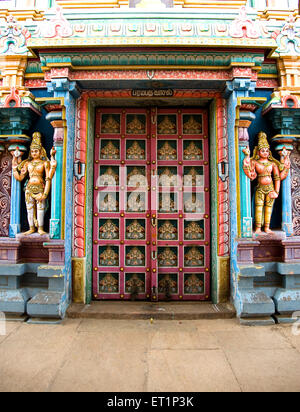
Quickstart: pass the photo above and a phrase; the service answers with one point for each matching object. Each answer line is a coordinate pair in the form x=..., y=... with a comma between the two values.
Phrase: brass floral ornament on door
x=41, y=172
x=269, y=173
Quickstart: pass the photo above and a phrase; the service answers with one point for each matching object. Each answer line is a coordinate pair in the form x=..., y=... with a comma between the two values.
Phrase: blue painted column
x=236, y=88
x=15, y=199
x=68, y=90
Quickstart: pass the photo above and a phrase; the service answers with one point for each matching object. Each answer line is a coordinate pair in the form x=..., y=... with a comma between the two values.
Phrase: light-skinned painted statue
x=269, y=172
x=41, y=172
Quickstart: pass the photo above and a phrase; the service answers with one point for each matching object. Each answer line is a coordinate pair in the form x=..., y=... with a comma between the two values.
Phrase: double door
x=151, y=225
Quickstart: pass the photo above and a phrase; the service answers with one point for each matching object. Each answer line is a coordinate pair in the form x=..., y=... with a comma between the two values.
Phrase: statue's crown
x=36, y=141
x=263, y=141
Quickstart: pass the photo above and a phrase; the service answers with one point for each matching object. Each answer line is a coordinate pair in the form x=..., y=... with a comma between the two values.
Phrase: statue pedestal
x=270, y=247
x=245, y=251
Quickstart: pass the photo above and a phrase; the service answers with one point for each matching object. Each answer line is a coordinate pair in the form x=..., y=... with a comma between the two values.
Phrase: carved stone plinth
x=291, y=250
x=31, y=248
x=56, y=250
x=269, y=248
x=9, y=250
x=245, y=251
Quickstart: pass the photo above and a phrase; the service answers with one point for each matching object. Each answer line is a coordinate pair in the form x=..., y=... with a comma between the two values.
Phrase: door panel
x=151, y=205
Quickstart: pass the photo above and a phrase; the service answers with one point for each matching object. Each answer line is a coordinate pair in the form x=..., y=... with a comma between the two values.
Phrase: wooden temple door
x=151, y=225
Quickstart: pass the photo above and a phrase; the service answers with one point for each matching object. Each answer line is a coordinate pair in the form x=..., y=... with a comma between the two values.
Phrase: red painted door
x=151, y=205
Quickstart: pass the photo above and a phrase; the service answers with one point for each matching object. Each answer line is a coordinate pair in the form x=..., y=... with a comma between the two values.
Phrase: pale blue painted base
x=268, y=289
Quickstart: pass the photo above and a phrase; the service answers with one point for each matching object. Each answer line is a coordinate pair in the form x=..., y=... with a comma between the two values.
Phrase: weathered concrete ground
x=137, y=355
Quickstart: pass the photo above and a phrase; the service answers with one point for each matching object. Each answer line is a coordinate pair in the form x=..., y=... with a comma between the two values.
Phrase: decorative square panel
x=109, y=176
x=135, y=229
x=111, y=123
x=168, y=176
x=193, y=150
x=194, y=230
x=167, y=150
x=167, y=229
x=108, y=202
x=167, y=124
x=135, y=149
x=194, y=203
x=135, y=283
x=109, y=283
x=109, y=229
x=110, y=149
x=136, y=176
x=194, y=256
x=168, y=203
x=109, y=255
x=167, y=257
x=194, y=283
x=135, y=256
x=136, y=202
x=193, y=176
x=168, y=284
x=192, y=124
x=136, y=124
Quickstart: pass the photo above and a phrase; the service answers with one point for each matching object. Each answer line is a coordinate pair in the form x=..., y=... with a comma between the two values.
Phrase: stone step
x=149, y=310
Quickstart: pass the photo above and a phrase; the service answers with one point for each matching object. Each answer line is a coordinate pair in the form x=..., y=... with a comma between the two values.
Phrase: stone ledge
x=148, y=310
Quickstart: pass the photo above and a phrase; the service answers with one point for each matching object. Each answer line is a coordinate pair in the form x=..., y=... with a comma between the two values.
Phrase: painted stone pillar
x=286, y=191
x=245, y=120
x=248, y=301
x=55, y=118
x=15, y=201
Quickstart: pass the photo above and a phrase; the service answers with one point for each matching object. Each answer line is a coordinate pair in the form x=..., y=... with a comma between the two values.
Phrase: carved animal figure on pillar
x=41, y=172
x=269, y=172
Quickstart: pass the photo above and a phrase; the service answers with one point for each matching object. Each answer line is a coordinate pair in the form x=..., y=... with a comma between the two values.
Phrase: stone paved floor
x=140, y=356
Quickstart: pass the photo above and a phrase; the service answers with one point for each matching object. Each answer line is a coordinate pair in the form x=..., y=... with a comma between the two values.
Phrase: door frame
x=84, y=152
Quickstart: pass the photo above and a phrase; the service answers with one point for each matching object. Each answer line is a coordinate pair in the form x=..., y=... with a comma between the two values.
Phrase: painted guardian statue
x=269, y=172
x=41, y=172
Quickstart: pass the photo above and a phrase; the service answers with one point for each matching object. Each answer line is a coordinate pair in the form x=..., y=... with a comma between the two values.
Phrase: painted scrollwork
x=5, y=193
x=295, y=188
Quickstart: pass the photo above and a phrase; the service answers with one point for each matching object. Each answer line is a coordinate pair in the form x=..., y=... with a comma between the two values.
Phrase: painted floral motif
x=13, y=38
x=136, y=202
x=167, y=203
x=167, y=178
